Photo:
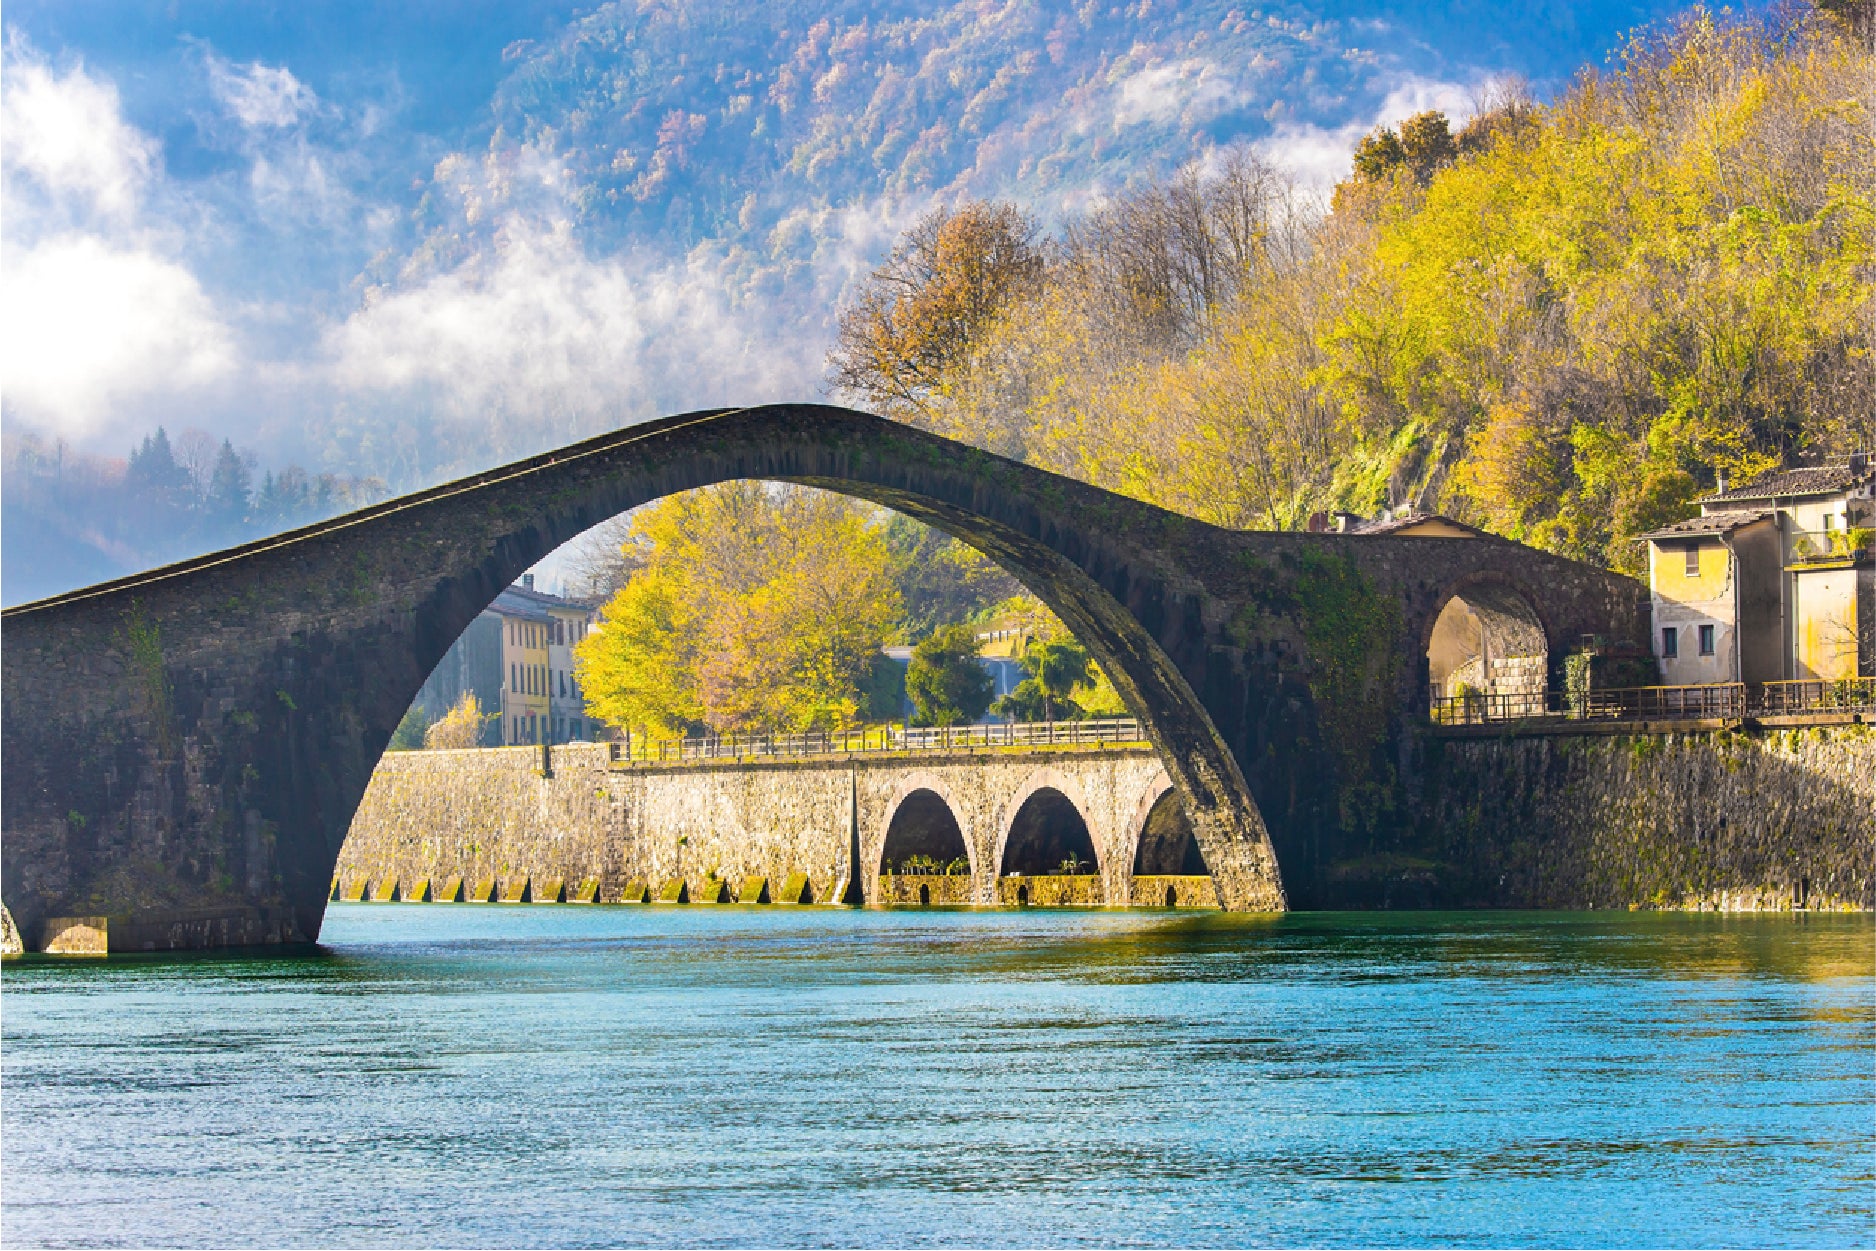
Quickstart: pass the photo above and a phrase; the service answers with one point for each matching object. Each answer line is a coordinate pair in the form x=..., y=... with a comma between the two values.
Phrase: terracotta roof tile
x=1715, y=523
x=1815, y=480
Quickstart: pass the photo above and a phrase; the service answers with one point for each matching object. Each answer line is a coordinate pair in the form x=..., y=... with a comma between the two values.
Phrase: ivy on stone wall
x=141, y=640
x=1352, y=633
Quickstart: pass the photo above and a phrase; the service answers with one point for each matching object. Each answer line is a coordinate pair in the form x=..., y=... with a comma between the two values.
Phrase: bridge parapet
x=888, y=740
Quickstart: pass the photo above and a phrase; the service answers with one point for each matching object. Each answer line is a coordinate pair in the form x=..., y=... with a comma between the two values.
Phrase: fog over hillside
x=296, y=237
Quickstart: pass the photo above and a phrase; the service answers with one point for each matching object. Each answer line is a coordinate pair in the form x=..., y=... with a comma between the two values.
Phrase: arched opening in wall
x=732, y=479
x=1487, y=656
x=1048, y=836
x=1167, y=847
x=924, y=838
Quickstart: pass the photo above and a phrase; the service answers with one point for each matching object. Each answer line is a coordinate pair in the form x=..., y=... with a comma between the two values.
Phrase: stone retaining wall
x=1723, y=820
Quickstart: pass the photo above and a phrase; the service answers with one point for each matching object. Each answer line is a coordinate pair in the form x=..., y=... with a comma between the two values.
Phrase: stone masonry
x=491, y=814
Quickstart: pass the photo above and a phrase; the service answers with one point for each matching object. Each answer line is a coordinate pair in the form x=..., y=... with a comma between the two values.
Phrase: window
x=1693, y=562
x=1706, y=640
x=1670, y=642
x=514, y=683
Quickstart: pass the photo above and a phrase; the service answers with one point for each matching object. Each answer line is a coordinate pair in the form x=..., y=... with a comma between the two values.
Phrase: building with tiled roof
x=516, y=657
x=1775, y=580
x=1406, y=522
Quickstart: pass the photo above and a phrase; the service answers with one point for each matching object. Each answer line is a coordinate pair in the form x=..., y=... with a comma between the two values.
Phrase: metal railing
x=882, y=740
x=1824, y=546
x=1479, y=707
x=1638, y=703
x=1793, y=698
x=1719, y=700
x=1722, y=701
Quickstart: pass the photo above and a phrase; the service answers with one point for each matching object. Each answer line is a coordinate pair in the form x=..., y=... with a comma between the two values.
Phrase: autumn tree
x=460, y=727
x=919, y=315
x=753, y=606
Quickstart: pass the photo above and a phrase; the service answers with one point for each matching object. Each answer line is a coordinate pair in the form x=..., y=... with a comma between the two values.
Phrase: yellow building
x=525, y=703
x=541, y=701
x=1774, y=580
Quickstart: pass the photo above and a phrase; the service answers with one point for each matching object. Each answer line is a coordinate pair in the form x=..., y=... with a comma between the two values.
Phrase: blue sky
x=368, y=236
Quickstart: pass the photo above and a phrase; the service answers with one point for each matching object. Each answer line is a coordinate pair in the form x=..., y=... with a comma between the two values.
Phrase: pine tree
x=228, y=487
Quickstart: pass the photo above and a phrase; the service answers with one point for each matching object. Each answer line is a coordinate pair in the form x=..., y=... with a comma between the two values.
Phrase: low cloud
x=63, y=135
x=538, y=333
x=87, y=328
x=1186, y=93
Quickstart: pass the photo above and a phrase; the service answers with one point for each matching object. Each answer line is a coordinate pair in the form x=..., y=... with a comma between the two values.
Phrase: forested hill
x=1559, y=325
x=680, y=124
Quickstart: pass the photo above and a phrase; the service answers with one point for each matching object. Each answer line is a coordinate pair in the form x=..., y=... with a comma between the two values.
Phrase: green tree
x=947, y=683
x=229, y=486
x=410, y=730
x=1055, y=668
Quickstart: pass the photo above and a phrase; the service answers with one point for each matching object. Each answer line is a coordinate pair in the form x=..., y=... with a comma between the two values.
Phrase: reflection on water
x=600, y=1076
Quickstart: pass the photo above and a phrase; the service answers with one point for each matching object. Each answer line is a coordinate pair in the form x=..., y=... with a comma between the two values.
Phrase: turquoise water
x=477, y=1076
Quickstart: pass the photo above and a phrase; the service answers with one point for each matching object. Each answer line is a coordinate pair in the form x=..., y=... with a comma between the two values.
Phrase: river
x=724, y=1076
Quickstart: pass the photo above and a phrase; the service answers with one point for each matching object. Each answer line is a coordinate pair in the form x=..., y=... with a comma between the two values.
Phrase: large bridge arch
x=191, y=742
x=256, y=687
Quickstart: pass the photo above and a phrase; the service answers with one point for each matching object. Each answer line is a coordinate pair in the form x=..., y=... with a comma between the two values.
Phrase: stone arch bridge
x=191, y=742
x=1092, y=824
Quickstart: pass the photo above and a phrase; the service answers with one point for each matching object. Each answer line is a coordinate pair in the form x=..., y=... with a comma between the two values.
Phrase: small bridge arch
x=1044, y=823
x=1488, y=636
x=924, y=818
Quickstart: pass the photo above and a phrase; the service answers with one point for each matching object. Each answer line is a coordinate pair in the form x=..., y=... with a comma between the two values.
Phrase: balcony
x=1810, y=548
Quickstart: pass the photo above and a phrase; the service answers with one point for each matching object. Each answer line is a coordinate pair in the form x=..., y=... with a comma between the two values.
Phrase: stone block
x=712, y=890
x=636, y=891
x=586, y=892
x=353, y=891
x=755, y=890
x=10, y=944
x=796, y=889
x=449, y=892
x=1050, y=890
x=675, y=891
x=77, y=936
x=1174, y=891
x=924, y=889
x=514, y=889
x=549, y=890
x=417, y=892
x=483, y=891
x=385, y=891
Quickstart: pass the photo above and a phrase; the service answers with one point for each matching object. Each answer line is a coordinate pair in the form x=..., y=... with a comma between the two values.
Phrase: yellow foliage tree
x=460, y=727
x=755, y=607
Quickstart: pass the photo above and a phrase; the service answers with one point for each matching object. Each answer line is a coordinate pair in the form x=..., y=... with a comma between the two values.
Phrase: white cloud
x=86, y=326
x=1187, y=92
x=1320, y=156
x=536, y=330
x=65, y=134
x=259, y=95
